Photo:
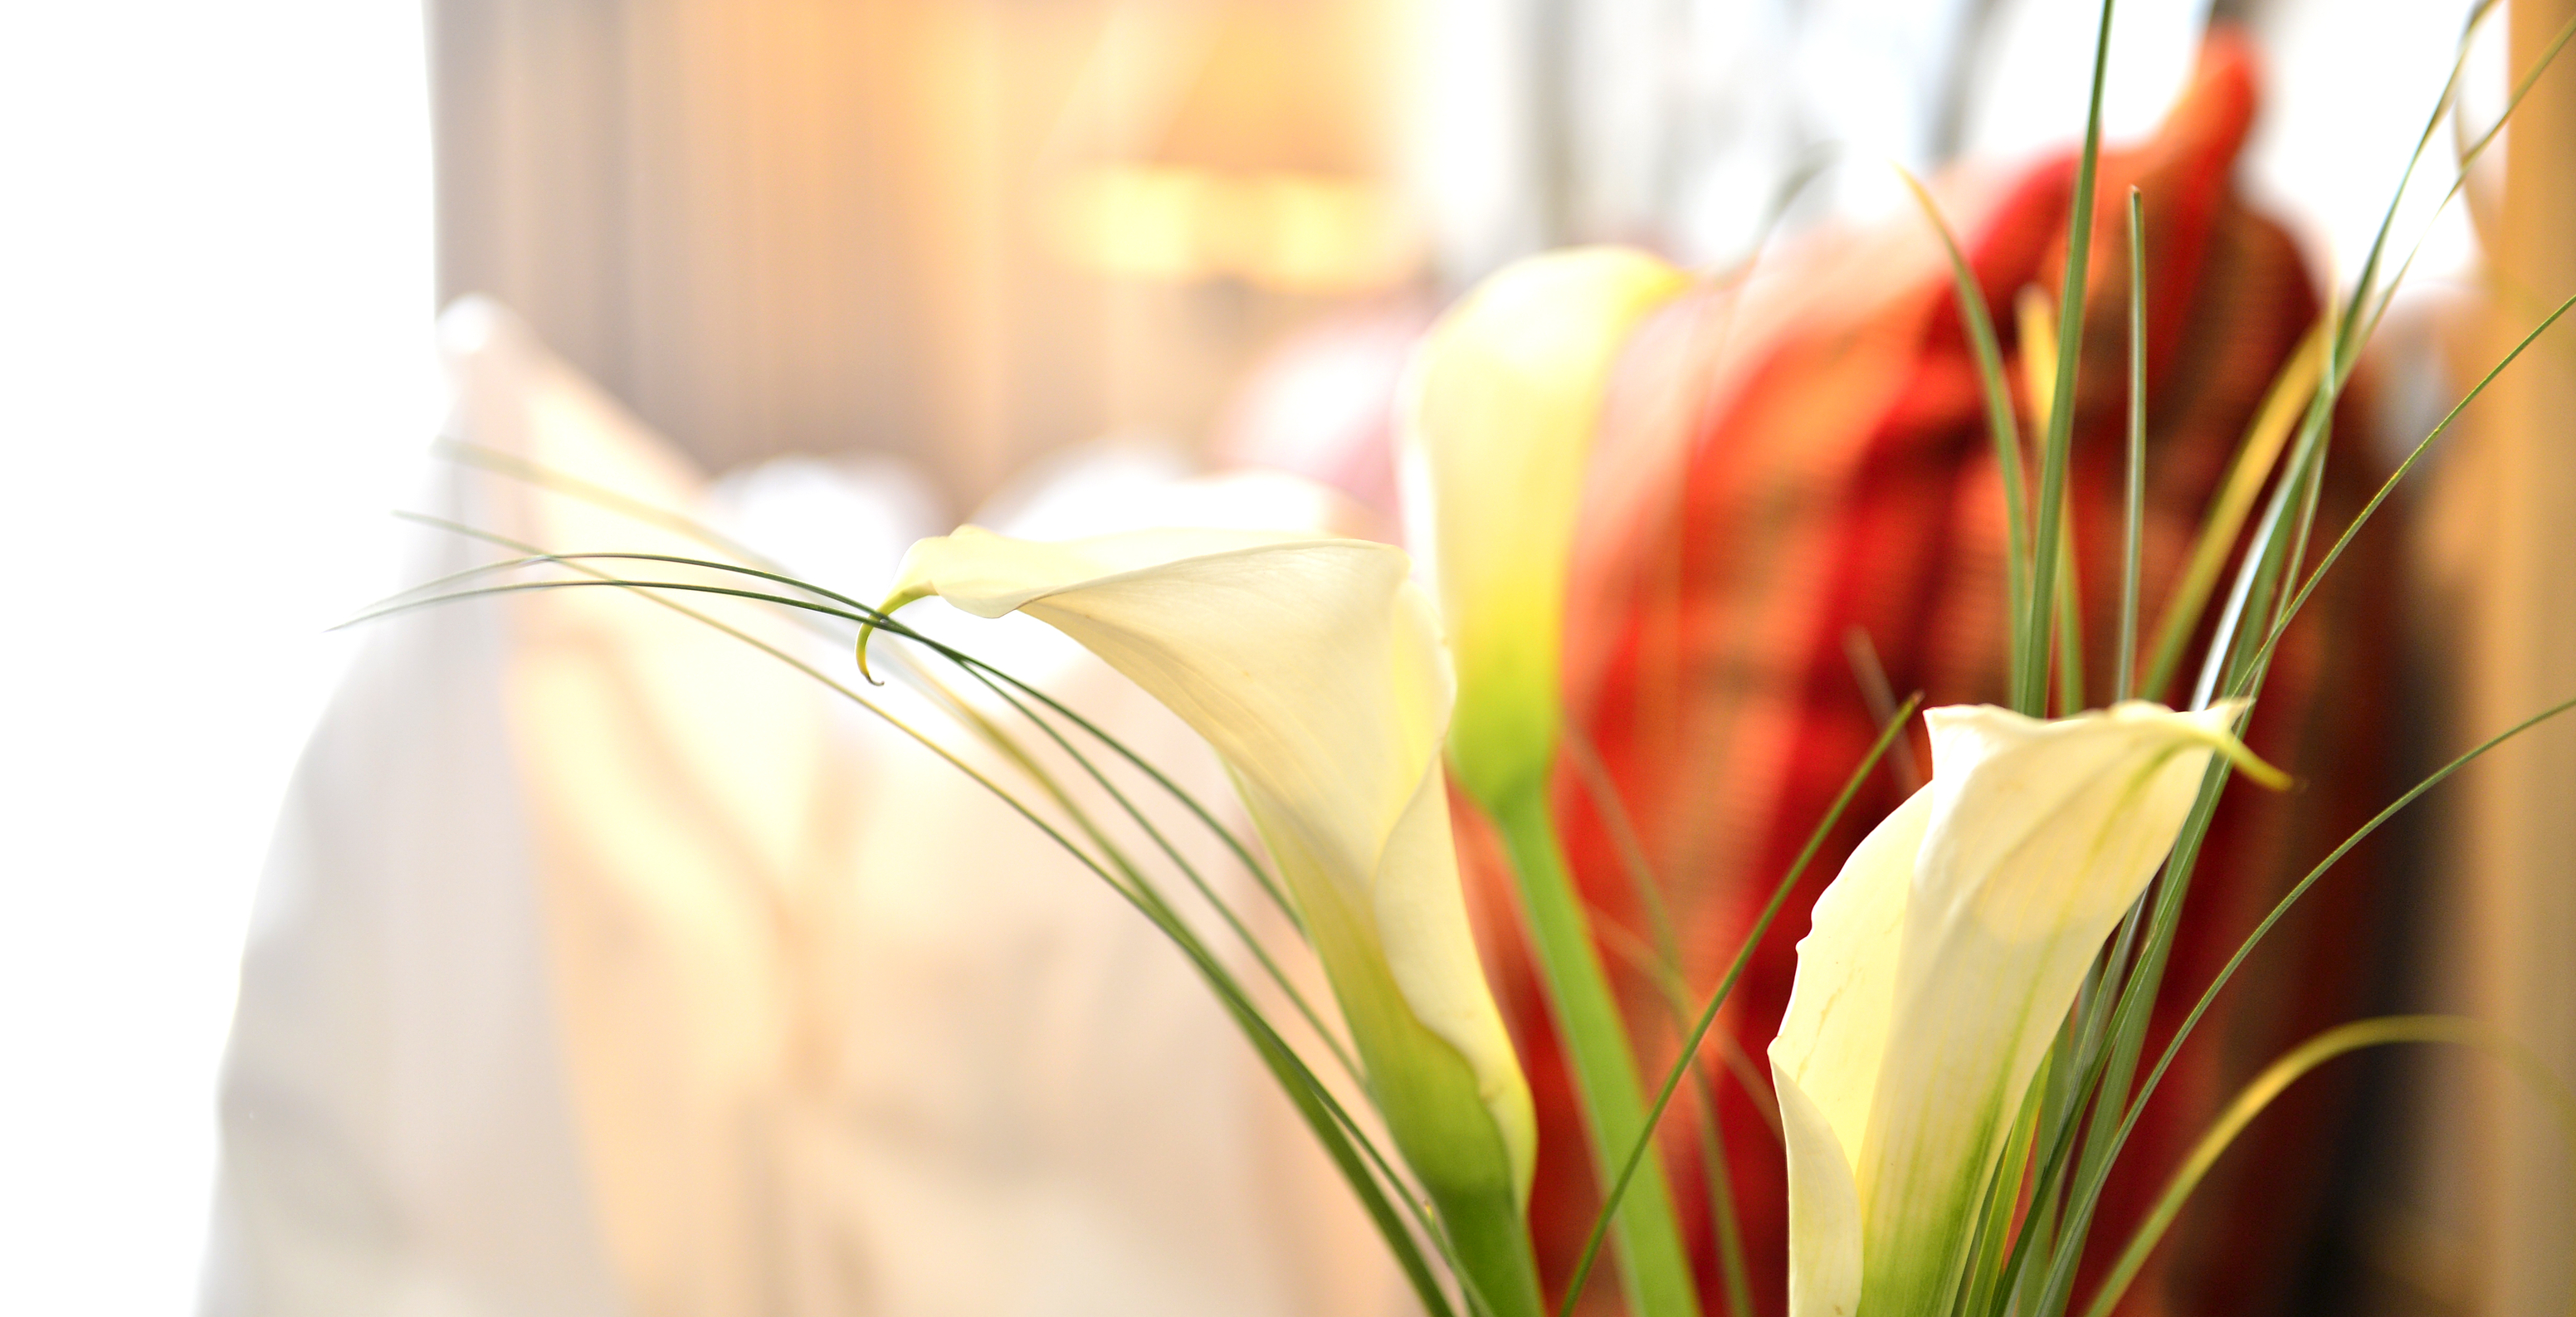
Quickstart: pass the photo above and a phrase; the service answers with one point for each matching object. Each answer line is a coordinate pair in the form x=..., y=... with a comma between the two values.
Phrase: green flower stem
x=1489, y=1235
x=1652, y=1264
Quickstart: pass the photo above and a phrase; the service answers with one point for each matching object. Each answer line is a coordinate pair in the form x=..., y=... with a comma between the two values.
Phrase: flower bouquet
x=1964, y=1051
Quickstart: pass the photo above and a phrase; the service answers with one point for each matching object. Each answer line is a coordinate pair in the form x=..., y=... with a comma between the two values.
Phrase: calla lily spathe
x=1502, y=402
x=1938, y=968
x=1314, y=667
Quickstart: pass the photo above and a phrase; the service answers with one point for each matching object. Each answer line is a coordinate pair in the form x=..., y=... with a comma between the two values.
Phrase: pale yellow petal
x=1314, y=668
x=2040, y=836
x=1824, y=1205
x=2047, y=825
x=989, y=575
x=1503, y=400
x=1843, y=1001
x=1422, y=919
x=1311, y=665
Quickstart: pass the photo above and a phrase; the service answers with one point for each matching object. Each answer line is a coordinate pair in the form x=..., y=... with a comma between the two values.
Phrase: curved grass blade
x=1977, y=1285
x=1662, y=965
x=1344, y=1140
x=2133, y=504
x=2030, y=668
x=957, y=708
x=2288, y=1070
x=2389, y=486
x=2096, y=1169
x=2039, y=369
x=1686, y=1062
x=2466, y=155
x=467, y=453
x=562, y=483
x=1002, y=743
x=2246, y=665
x=1999, y=415
x=2344, y=347
x=2247, y=472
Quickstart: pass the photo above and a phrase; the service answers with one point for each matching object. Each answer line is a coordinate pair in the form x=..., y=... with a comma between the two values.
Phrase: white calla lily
x=1939, y=966
x=1502, y=402
x=1314, y=667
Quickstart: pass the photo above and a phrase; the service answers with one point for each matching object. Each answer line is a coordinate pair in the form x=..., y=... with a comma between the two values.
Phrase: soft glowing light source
x=1280, y=230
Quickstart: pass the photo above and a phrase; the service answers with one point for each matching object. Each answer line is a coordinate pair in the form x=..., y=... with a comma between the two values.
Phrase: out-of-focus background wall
x=969, y=233
x=972, y=232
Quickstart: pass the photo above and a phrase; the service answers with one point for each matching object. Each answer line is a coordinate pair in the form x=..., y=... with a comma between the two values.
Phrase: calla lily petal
x=1922, y=1008
x=1502, y=403
x=1824, y=1206
x=1843, y=1004
x=1830, y=1045
x=1314, y=668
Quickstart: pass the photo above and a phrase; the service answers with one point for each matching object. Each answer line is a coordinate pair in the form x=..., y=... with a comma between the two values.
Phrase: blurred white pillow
x=605, y=964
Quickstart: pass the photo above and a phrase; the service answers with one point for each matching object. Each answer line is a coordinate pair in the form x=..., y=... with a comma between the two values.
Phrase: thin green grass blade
x=2389, y=486
x=467, y=453
x=2467, y=155
x=1674, y=995
x=1880, y=697
x=2000, y=426
x=1654, y=1267
x=2090, y=1178
x=2090, y=1161
x=2245, y=665
x=1603, y=795
x=2365, y=281
x=570, y=486
x=965, y=712
x=1708, y=1016
x=2209, y=996
x=1345, y=1141
x=2251, y=595
x=380, y=613
x=1234, y=844
x=2344, y=348
x=2070, y=625
x=2247, y=473
x=2059, y=1102
x=1731, y=1271
x=1311, y=1102
x=1662, y=965
x=2133, y=505
x=2039, y=372
x=806, y=615
x=2030, y=674
x=1977, y=1285
x=2309, y=472
x=2084, y=1055
x=2059, y=1147
x=2290, y=1069
x=2096, y=1069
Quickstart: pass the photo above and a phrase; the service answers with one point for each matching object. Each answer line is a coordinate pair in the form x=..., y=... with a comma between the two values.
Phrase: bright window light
x=215, y=378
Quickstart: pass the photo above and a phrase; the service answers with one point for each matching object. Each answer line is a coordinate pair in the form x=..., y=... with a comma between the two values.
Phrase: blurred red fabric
x=1803, y=453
